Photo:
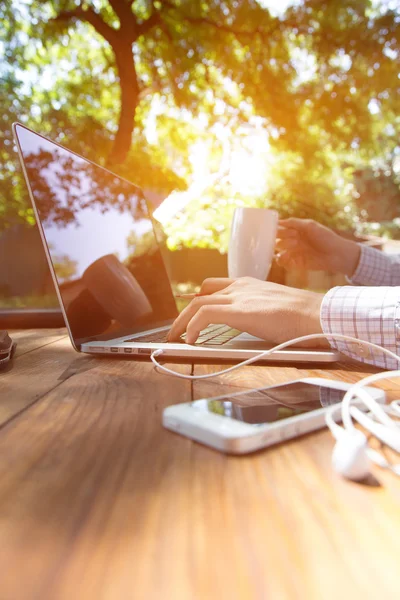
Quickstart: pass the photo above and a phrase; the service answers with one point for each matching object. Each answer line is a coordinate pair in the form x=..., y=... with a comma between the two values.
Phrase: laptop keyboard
x=213, y=335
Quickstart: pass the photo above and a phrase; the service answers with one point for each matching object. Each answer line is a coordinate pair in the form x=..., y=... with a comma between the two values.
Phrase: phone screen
x=267, y=405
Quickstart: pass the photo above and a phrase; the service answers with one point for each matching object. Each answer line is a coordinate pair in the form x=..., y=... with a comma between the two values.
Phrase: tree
x=378, y=194
x=189, y=50
x=311, y=75
x=65, y=268
x=64, y=184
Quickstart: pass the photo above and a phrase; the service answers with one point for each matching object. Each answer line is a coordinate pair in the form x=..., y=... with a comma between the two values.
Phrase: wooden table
x=98, y=501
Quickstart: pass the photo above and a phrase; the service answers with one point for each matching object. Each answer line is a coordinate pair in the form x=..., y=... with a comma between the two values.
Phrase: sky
x=278, y=7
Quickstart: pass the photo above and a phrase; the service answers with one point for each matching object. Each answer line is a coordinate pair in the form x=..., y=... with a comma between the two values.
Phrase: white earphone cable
x=381, y=414
x=354, y=393
x=265, y=353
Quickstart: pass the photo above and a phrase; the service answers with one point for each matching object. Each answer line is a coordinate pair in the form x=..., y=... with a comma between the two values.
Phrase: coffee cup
x=252, y=242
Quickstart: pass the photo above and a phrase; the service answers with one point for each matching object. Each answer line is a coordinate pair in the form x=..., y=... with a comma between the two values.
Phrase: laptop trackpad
x=247, y=341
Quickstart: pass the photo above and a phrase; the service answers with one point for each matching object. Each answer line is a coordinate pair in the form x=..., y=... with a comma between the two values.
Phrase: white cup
x=252, y=242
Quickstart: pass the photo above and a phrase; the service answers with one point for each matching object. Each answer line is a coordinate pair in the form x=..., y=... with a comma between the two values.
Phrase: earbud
x=350, y=457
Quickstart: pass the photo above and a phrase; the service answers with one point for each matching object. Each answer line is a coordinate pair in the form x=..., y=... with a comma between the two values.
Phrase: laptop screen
x=101, y=241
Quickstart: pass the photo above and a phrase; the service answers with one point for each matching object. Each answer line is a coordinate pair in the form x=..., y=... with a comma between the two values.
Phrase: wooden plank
x=321, y=527
x=98, y=501
x=258, y=376
x=91, y=485
x=42, y=364
x=31, y=339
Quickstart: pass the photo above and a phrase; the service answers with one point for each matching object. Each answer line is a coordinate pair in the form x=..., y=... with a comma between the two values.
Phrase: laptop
x=107, y=266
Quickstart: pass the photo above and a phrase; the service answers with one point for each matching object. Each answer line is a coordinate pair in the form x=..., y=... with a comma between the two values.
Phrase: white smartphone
x=247, y=421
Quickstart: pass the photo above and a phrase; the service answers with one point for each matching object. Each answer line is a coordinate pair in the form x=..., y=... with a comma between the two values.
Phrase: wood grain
x=258, y=376
x=331, y=526
x=98, y=501
x=32, y=339
x=41, y=363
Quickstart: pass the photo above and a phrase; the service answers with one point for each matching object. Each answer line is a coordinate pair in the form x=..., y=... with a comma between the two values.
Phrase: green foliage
x=65, y=268
x=377, y=194
x=386, y=229
x=140, y=244
x=321, y=79
x=32, y=301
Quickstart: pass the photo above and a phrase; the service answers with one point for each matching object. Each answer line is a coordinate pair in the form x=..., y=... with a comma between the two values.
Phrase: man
x=278, y=313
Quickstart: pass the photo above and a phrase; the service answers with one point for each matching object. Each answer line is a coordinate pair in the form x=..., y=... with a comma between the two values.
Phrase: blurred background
x=207, y=105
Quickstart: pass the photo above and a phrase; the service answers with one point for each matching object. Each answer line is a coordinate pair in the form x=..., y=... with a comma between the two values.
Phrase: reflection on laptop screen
x=101, y=242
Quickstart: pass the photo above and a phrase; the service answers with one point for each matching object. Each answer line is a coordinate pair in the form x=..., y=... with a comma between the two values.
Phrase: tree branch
x=225, y=28
x=155, y=19
x=123, y=10
x=93, y=18
x=129, y=100
x=120, y=41
x=130, y=28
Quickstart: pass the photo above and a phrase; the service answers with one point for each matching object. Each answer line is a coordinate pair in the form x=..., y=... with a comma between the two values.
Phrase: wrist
x=310, y=319
x=348, y=258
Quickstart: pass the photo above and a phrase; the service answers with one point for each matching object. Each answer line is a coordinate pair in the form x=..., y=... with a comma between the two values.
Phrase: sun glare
x=246, y=162
x=250, y=161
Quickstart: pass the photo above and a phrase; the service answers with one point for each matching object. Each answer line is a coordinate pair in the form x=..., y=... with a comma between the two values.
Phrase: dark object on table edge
x=7, y=348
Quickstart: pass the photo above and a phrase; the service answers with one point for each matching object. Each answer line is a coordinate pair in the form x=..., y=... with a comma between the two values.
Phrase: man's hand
x=273, y=312
x=305, y=244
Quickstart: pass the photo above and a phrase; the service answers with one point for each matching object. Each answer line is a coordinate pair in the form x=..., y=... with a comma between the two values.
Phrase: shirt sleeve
x=366, y=313
x=376, y=268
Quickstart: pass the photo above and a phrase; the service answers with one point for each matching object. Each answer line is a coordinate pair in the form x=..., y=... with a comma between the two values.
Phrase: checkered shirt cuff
x=375, y=268
x=366, y=313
